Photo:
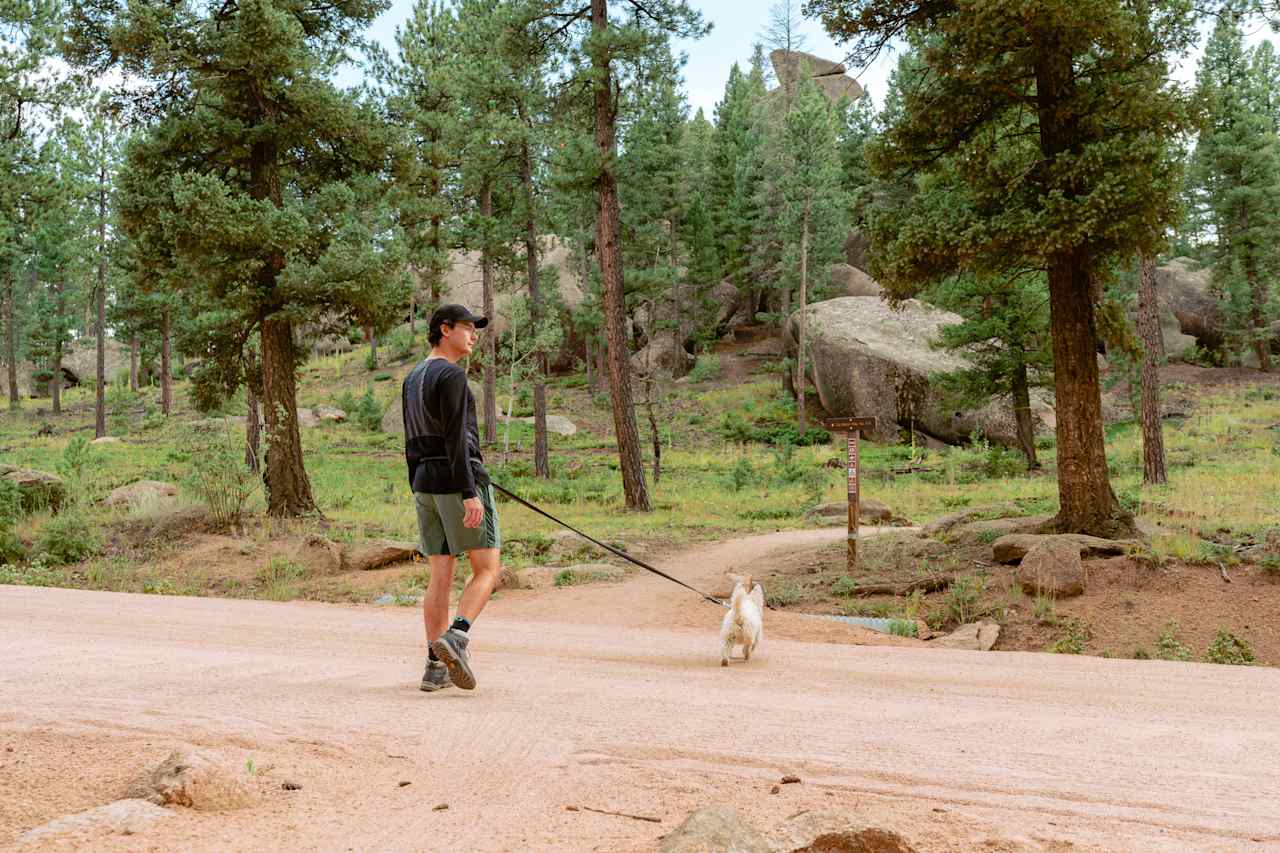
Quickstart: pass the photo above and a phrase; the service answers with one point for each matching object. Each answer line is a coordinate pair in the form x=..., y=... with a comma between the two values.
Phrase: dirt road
x=610, y=696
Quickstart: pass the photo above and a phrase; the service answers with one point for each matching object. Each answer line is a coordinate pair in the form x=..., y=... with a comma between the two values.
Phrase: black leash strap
x=612, y=550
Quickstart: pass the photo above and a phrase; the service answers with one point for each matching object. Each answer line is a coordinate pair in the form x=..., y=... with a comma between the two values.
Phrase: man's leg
x=435, y=604
x=485, y=566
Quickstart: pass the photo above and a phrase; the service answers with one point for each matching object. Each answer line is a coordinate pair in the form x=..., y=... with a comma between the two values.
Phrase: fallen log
x=933, y=583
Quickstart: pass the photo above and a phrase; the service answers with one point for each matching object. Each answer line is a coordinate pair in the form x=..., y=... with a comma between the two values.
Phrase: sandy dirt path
x=610, y=696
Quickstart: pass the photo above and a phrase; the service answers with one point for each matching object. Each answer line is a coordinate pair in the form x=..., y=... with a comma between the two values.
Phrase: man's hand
x=473, y=512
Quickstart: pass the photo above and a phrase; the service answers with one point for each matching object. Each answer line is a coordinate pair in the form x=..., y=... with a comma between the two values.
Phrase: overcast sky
x=736, y=26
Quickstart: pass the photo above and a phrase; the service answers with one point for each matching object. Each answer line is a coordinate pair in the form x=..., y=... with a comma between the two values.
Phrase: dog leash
x=612, y=550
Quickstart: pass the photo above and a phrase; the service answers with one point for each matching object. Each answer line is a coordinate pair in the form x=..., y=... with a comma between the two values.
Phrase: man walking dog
x=451, y=492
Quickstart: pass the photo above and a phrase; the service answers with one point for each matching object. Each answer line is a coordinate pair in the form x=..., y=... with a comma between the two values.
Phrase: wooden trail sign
x=852, y=427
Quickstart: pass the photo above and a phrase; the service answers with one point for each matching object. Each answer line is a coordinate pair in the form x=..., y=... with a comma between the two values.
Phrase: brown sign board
x=849, y=424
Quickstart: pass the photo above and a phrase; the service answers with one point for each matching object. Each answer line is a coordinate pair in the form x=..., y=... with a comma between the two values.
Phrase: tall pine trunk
x=1021, y=389
x=288, y=489
x=630, y=462
x=55, y=381
x=801, y=338
x=541, y=458
x=166, y=369
x=11, y=341
x=490, y=339
x=1257, y=310
x=100, y=398
x=1086, y=502
x=253, y=423
x=135, y=353
x=1153, y=470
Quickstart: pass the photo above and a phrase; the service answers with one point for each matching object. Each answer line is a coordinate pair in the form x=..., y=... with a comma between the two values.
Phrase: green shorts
x=440, y=530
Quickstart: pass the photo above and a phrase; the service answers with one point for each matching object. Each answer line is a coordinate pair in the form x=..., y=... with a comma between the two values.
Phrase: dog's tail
x=741, y=593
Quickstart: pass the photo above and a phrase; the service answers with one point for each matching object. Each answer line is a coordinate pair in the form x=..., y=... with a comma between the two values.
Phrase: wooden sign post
x=852, y=428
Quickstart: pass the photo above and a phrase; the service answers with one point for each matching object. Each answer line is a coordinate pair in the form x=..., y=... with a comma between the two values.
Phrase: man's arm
x=453, y=411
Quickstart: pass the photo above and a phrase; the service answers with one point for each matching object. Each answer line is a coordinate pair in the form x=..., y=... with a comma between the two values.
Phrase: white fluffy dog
x=743, y=625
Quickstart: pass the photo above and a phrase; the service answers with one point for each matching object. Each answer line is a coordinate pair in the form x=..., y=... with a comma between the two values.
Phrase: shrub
x=963, y=598
x=903, y=628
x=221, y=480
x=66, y=538
x=1169, y=647
x=1045, y=611
x=742, y=474
x=279, y=577
x=367, y=412
x=844, y=587
x=1073, y=638
x=1227, y=648
x=11, y=548
x=707, y=367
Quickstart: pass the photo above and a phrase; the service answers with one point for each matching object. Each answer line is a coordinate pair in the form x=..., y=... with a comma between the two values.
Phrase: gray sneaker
x=435, y=677
x=452, y=649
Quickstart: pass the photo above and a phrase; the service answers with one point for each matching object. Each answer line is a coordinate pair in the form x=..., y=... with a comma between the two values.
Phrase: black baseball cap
x=454, y=313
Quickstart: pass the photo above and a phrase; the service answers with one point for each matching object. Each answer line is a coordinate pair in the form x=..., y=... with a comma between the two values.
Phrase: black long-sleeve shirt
x=441, y=433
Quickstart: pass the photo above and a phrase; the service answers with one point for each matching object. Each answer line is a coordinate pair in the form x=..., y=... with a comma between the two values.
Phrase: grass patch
x=279, y=579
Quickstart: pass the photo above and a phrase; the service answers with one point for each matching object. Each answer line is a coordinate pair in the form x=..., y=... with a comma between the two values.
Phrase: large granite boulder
x=849, y=280
x=857, y=248
x=463, y=282
x=868, y=359
x=80, y=360
x=830, y=76
x=39, y=489
x=1185, y=294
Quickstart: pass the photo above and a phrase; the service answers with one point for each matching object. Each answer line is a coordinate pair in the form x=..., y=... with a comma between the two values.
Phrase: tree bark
x=55, y=381
x=800, y=337
x=100, y=398
x=631, y=464
x=1153, y=470
x=11, y=341
x=253, y=423
x=372, y=340
x=541, y=457
x=1021, y=388
x=288, y=489
x=1257, y=311
x=490, y=339
x=1086, y=501
x=166, y=368
x=135, y=352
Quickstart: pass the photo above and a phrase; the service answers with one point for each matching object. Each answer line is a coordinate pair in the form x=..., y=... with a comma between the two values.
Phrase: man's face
x=462, y=336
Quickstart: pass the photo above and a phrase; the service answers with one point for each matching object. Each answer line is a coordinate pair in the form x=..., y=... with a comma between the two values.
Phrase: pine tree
x=607, y=45
x=816, y=212
x=34, y=89
x=1237, y=166
x=1060, y=170
x=255, y=170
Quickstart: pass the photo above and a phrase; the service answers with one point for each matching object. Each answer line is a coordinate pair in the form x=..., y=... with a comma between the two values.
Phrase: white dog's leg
x=726, y=650
x=746, y=650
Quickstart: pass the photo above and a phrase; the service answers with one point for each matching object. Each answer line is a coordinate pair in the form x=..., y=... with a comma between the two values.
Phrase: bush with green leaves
x=706, y=367
x=1073, y=638
x=742, y=474
x=67, y=538
x=1169, y=647
x=367, y=412
x=220, y=479
x=1229, y=649
x=11, y=547
x=964, y=598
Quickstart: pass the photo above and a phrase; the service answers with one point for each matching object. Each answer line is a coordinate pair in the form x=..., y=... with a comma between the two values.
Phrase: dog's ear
x=747, y=582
